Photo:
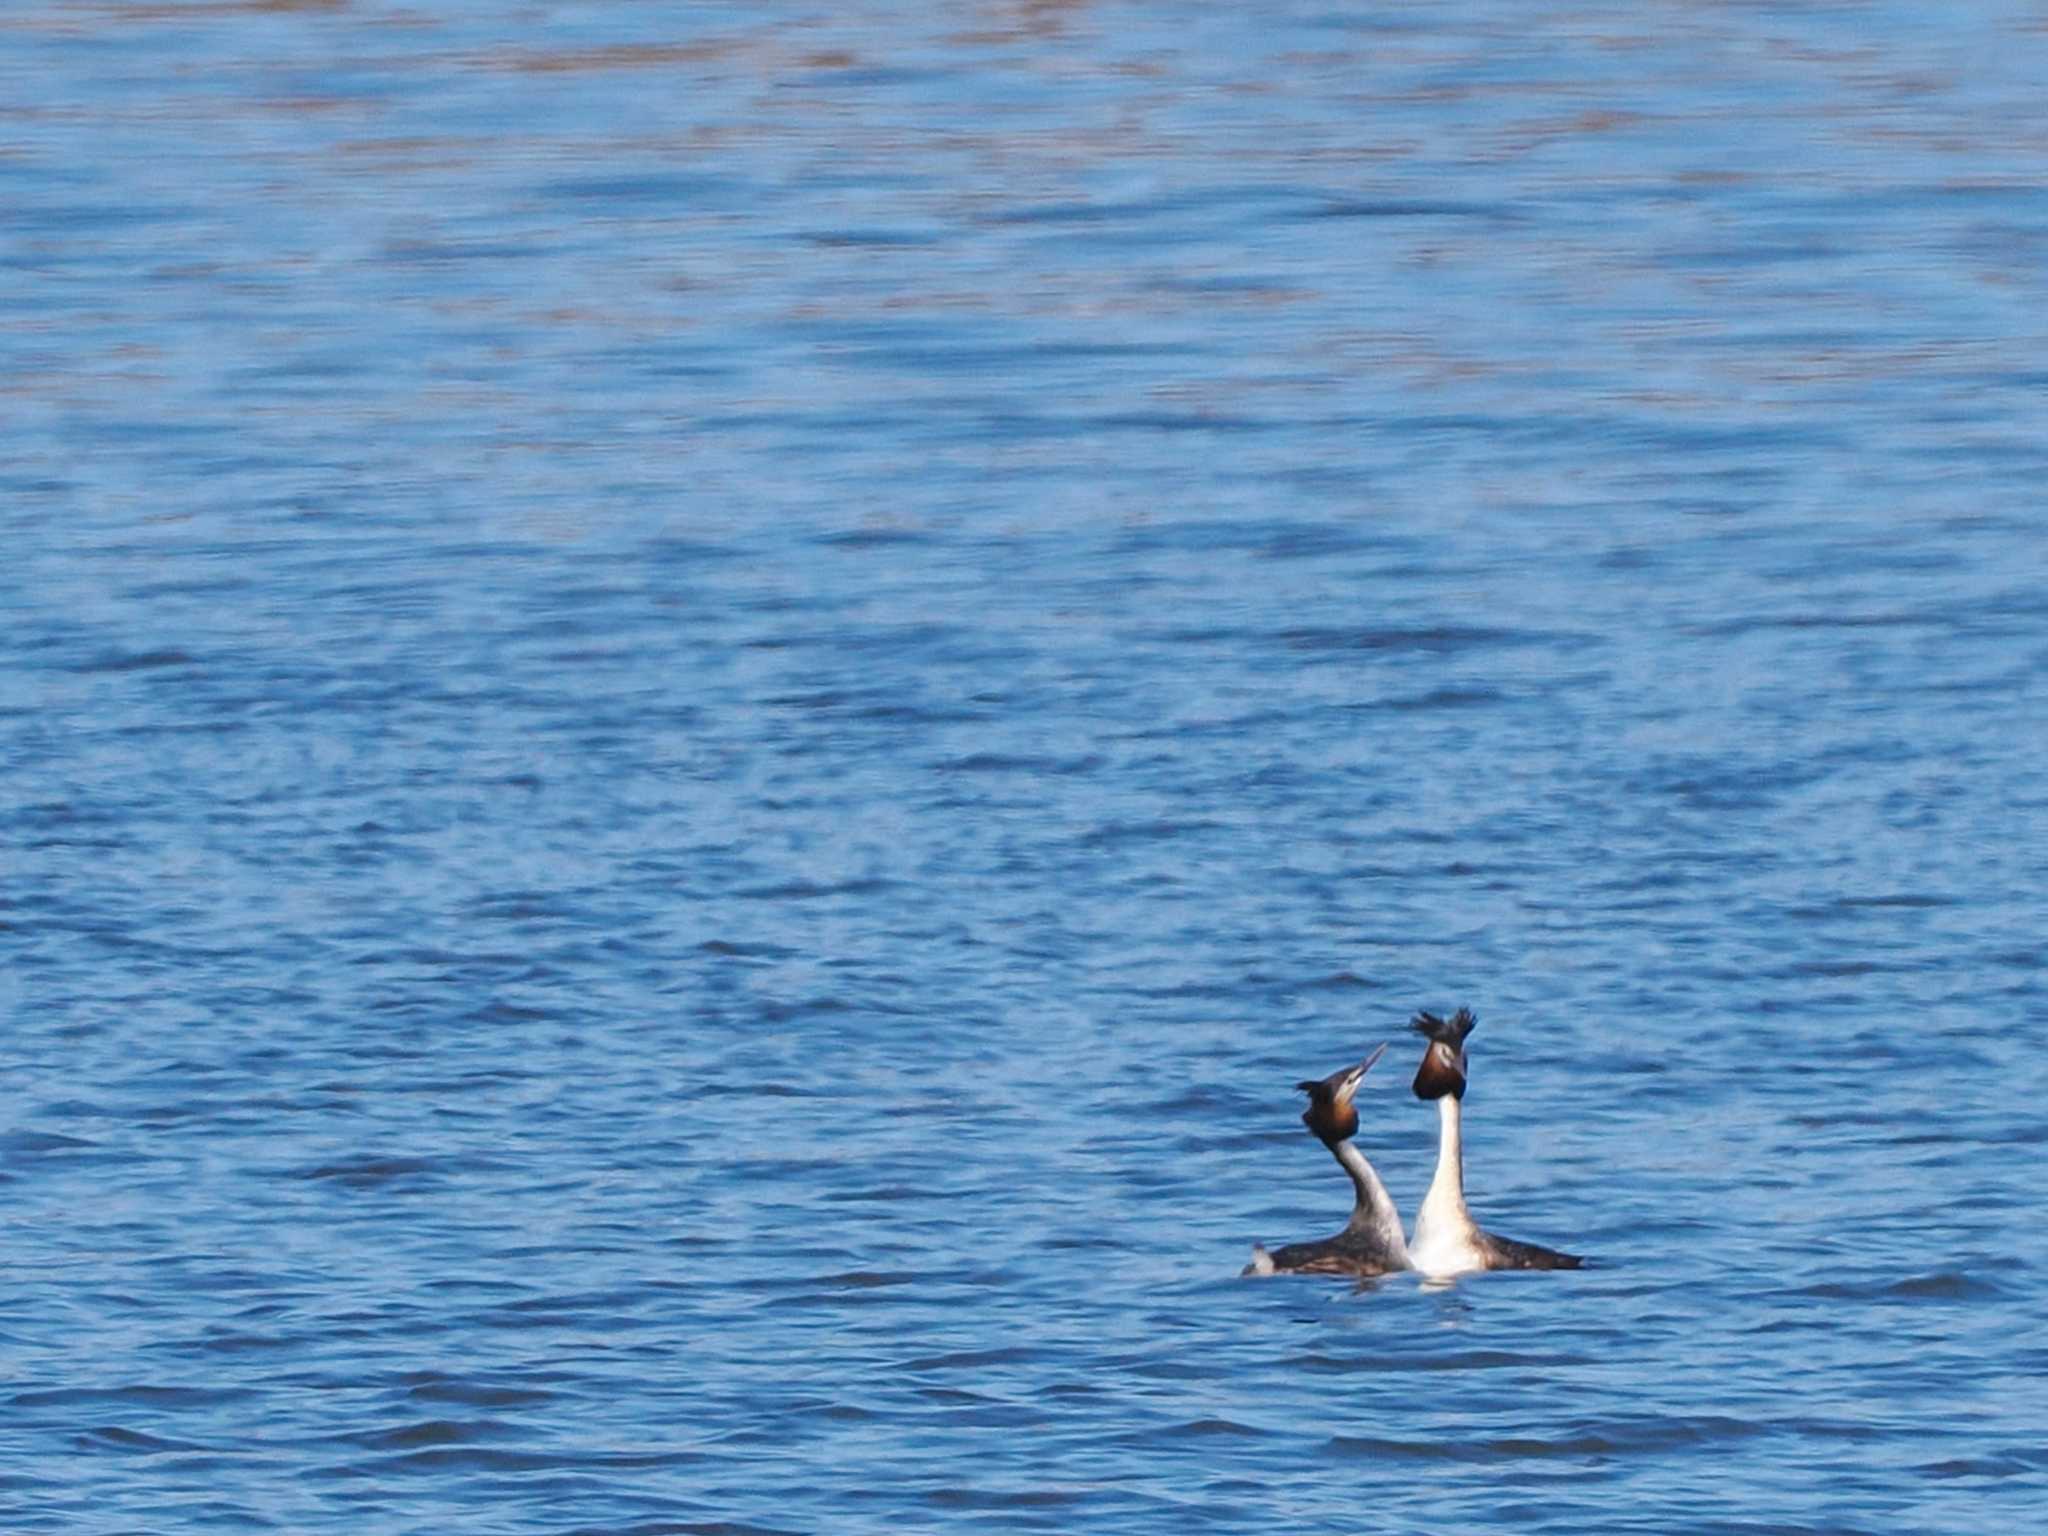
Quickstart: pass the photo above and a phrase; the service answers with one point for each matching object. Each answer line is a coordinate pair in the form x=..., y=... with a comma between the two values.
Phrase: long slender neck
x=1374, y=1210
x=1447, y=1189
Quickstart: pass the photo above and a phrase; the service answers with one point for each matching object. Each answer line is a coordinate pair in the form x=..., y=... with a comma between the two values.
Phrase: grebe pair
x=1447, y=1241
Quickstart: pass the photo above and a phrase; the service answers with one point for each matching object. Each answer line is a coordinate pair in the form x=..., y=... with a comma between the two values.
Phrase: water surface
x=704, y=705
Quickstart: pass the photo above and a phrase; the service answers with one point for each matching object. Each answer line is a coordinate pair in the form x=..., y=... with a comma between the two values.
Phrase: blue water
x=702, y=707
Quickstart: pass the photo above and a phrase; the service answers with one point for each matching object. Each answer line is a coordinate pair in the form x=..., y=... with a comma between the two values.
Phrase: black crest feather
x=1451, y=1031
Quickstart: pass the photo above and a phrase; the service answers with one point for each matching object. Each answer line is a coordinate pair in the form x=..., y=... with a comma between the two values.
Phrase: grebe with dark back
x=1447, y=1240
x=1371, y=1242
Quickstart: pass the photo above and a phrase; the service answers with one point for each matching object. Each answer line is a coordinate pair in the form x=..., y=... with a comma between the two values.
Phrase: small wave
x=1021, y=763
x=1440, y=698
x=244, y=1343
x=1429, y=639
x=970, y=1359
x=1843, y=969
x=367, y=1172
x=1405, y=208
x=1631, y=1437
x=112, y=1437
x=1976, y=1466
x=1201, y=1430
x=1341, y=981
x=137, y=661
x=981, y=1498
x=811, y=890
x=1115, y=833
x=138, y=1396
x=888, y=1194
x=470, y=1394
x=745, y=951
x=866, y=1279
x=755, y=1091
x=1940, y=1285
x=477, y=1458
x=1463, y=1360
x=500, y=1012
x=873, y=536
x=36, y=1143
x=434, y=1432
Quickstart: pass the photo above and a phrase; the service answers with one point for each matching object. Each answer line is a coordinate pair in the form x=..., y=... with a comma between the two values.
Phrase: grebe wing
x=1332, y=1256
x=1506, y=1253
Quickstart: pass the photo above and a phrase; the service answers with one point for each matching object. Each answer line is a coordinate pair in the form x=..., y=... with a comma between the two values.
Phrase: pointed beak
x=1356, y=1075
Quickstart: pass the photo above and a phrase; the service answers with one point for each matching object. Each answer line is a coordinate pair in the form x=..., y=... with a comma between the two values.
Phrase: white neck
x=1374, y=1210
x=1444, y=1241
x=1447, y=1189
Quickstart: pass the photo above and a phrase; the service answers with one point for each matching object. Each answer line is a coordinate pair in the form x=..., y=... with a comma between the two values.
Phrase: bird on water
x=1446, y=1240
x=1371, y=1242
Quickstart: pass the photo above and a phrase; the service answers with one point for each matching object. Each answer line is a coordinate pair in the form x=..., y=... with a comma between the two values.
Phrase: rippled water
x=704, y=705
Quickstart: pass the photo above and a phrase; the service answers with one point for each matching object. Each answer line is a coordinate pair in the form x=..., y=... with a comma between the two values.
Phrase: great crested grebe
x=1371, y=1242
x=1447, y=1241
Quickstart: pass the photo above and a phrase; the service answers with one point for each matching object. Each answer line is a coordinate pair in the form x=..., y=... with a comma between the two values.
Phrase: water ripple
x=706, y=708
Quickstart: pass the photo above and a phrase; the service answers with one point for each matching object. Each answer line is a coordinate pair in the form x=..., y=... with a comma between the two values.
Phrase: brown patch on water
x=609, y=56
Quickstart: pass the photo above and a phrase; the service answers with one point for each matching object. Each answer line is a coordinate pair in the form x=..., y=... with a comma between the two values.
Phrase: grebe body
x=1371, y=1242
x=1447, y=1241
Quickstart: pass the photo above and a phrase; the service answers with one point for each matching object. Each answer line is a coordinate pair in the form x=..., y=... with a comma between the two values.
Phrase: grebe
x=1447, y=1241
x=1371, y=1242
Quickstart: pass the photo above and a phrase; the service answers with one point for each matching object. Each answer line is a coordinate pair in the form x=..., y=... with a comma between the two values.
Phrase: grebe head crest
x=1443, y=1064
x=1330, y=1113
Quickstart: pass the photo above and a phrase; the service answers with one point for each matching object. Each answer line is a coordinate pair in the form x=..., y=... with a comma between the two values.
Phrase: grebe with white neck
x=1371, y=1242
x=1447, y=1241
